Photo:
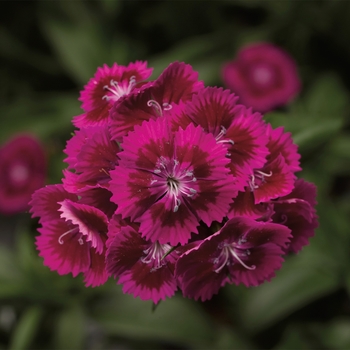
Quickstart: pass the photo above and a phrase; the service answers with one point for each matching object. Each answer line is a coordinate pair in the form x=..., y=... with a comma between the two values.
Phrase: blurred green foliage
x=50, y=49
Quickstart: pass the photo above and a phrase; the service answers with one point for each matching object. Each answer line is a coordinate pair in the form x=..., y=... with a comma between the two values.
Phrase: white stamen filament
x=60, y=241
x=176, y=181
x=228, y=251
x=117, y=90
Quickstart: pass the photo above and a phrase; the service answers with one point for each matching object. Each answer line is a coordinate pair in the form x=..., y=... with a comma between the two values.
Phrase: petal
x=281, y=142
x=44, y=203
x=244, y=205
x=97, y=274
x=278, y=180
x=178, y=82
x=91, y=221
x=195, y=273
x=161, y=223
x=68, y=257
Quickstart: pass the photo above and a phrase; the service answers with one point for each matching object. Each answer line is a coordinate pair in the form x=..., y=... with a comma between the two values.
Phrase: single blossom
x=240, y=130
x=263, y=75
x=168, y=182
x=23, y=169
x=73, y=235
x=243, y=251
x=92, y=155
x=276, y=178
x=144, y=268
x=177, y=84
x=297, y=212
x=107, y=86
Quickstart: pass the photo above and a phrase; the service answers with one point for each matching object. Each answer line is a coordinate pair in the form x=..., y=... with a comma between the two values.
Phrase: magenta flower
x=142, y=267
x=297, y=212
x=178, y=83
x=107, y=86
x=23, y=170
x=276, y=178
x=243, y=251
x=263, y=75
x=92, y=154
x=73, y=235
x=241, y=131
x=168, y=182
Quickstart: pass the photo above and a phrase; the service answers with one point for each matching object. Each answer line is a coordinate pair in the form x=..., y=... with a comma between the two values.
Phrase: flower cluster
x=263, y=75
x=172, y=185
x=23, y=170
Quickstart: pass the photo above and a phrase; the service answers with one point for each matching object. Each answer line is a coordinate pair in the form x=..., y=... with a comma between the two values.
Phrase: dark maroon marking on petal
x=255, y=233
x=302, y=227
x=195, y=272
x=124, y=251
x=243, y=205
x=69, y=257
x=99, y=198
x=151, y=279
x=266, y=258
x=178, y=82
x=44, y=203
x=97, y=274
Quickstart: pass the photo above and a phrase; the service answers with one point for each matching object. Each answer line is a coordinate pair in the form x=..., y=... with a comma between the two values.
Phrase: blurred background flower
x=263, y=76
x=23, y=170
x=50, y=50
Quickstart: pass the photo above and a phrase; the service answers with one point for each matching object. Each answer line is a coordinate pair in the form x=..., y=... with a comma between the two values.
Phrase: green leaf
x=26, y=328
x=175, y=320
x=70, y=328
x=292, y=339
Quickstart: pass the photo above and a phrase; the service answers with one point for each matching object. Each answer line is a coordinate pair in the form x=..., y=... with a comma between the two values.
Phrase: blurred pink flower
x=22, y=171
x=263, y=75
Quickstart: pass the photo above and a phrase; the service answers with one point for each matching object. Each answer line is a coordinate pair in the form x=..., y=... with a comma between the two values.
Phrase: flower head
x=263, y=75
x=22, y=171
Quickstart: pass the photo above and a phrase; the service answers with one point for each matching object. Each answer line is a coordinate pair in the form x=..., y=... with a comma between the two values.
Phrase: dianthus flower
x=107, y=86
x=144, y=268
x=243, y=251
x=23, y=170
x=168, y=182
x=297, y=212
x=263, y=75
x=235, y=126
x=73, y=235
x=177, y=84
x=91, y=155
x=170, y=186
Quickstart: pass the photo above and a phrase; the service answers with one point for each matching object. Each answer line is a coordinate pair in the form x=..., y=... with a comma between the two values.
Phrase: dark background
x=50, y=49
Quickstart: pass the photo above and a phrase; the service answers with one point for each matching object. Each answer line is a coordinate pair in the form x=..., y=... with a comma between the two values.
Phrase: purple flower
x=22, y=171
x=73, y=235
x=142, y=267
x=297, y=212
x=178, y=83
x=263, y=75
x=243, y=251
x=168, y=182
x=91, y=154
x=238, y=128
x=107, y=86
